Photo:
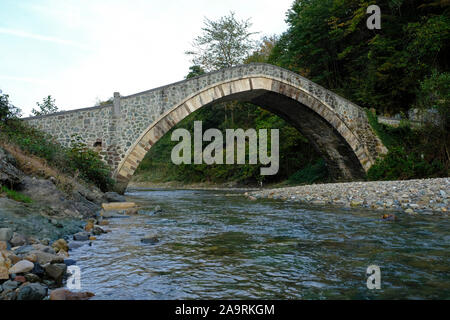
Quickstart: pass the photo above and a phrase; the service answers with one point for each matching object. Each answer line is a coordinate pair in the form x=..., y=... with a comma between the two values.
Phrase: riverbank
x=172, y=185
x=410, y=196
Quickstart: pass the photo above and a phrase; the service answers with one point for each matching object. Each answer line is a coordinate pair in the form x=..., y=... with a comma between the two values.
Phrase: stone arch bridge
x=125, y=130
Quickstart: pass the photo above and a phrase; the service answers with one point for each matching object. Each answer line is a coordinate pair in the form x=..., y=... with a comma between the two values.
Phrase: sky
x=81, y=51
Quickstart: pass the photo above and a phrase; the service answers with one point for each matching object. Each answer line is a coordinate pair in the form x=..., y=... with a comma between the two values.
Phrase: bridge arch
x=339, y=131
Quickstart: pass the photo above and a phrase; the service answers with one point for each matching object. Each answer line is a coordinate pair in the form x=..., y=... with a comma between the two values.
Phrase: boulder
x=17, y=240
x=10, y=285
x=23, y=266
x=32, y=291
x=6, y=234
x=55, y=271
x=64, y=294
x=44, y=257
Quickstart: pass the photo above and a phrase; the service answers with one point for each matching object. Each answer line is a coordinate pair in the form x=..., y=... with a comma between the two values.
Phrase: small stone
x=20, y=279
x=98, y=231
x=3, y=245
x=44, y=257
x=22, y=266
x=409, y=211
x=104, y=223
x=62, y=253
x=89, y=226
x=32, y=291
x=442, y=193
x=252, y=198
x=81, y=236
x=31, y=277
x=150, y=239
x=355, y=203
x=157, y=209
x=60, y=244
x=92, y=238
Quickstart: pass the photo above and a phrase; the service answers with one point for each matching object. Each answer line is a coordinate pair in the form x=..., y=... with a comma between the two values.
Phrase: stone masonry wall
x=118, y=126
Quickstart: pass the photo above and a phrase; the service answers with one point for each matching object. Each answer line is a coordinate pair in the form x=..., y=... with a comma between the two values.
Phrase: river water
x=219, y=245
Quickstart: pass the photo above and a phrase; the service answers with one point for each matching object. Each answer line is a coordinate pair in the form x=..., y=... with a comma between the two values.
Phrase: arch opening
x=345, y=156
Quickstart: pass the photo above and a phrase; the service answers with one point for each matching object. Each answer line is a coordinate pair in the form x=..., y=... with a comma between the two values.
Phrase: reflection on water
x=215, y=246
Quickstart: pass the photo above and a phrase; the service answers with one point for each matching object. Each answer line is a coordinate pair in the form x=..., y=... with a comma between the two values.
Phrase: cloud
x=24, y=34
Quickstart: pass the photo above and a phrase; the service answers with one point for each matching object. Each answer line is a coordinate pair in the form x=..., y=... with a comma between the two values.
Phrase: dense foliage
x=328, y=42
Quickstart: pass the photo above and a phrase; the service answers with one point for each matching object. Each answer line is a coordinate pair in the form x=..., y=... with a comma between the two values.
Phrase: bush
x=88, y=163
x=77, y=160
x=313, y=172
x=398, y=164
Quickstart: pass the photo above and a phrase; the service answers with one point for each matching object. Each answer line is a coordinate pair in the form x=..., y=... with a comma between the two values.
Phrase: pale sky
x=80, y=51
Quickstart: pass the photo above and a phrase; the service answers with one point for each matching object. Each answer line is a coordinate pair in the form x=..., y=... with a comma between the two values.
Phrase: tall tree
x=223, y=43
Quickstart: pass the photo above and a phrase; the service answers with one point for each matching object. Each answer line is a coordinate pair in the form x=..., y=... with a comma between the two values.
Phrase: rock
x=118, y=206
x=60, y=244
x=4, y=274
x=31, y=277
x=38, y=270
x=62, y=253
x=389, y=217
x=45, y=242
x=92, y=238
x=76, y=244
x=55, y=271
x=22, y=266
x=355, y=203
x=409, y=211
x=114, y=197
x=10, y=285
x=6, y=234
x=69, y=262
x=10, y=176
x=158, y=209
x=32, y=257
x=98, y=231
x=150, y=239
x=104, y=223
x=32, y=291
x=252, y=198
x=442, y=193
x=44, y=257
x=43, y=248
x=64, y=294
x=3, y=245
x=20, y=279
x=89, y=226
x=81, y=236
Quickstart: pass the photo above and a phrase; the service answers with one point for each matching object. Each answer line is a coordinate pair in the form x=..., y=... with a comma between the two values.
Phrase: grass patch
x=14, y=195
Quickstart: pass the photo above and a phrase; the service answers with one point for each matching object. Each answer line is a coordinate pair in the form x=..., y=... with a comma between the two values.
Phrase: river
x=220, y=245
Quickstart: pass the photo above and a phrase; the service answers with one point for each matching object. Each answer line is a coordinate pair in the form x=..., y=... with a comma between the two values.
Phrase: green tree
x=223, y=43
x=47, y=106
x=195, y=71
x=7, y=110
